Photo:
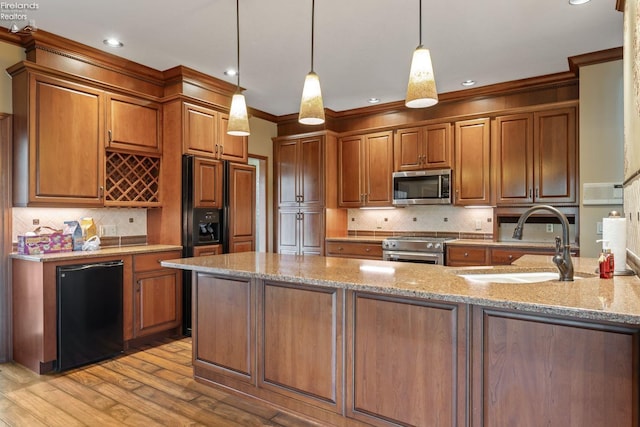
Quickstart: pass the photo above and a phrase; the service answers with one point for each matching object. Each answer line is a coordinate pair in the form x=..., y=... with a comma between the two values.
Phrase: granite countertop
x=614, y=300
x=120, y=250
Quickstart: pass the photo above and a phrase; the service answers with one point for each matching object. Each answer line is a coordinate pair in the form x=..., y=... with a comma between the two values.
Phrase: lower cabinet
x=354, y=250
x=301, y=231
x=477, y=255
x=405, y=361
x=530, y=370
x=461, y=256
x=158, y=294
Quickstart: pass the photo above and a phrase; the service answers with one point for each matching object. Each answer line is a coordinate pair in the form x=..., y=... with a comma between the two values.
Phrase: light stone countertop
x=120, y=250
x=613, y=300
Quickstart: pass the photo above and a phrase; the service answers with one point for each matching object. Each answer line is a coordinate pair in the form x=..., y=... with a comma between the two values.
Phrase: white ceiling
x=363, y=48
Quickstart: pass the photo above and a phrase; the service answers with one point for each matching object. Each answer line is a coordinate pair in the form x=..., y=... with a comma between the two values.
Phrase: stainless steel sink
x=513, y=277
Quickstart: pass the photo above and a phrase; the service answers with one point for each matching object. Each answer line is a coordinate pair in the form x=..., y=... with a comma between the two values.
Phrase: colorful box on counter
x=45, y=243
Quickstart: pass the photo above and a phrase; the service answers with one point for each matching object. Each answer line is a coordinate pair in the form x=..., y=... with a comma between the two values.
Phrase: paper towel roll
x=614, y=237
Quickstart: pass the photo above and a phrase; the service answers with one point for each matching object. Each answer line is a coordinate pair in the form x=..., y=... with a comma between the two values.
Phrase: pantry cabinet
x=300, y=169
x=365, y=165
x=58, y=141
x=427, y=147
x=472, y=180
x=301, y=231
x=158, y=294
x=134, y=124
x=241, y=221
x=536, y=156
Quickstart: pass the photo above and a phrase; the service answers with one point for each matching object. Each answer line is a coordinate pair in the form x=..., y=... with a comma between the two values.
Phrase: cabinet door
x=555, y=153
x=207, y=250
x=408, y=149
x=437, y=151
x=311, y=172
x=528, y=370
x=66, y=144
x=378, y=168
x=288, y=231
x=312, y=232
x=287, y=165
x=134, y=124
x=242, y=207
x=233, y=148
x=158, y=301
x=514, y=159
x=200, y=131
x=472, y=174
x=207, y=183
x=350, y=175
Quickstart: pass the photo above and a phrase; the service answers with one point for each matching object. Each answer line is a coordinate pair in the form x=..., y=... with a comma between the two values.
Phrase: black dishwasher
x=89, y=307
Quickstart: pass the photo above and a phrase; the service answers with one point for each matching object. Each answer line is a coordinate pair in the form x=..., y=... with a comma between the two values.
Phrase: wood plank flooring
x=148, y=386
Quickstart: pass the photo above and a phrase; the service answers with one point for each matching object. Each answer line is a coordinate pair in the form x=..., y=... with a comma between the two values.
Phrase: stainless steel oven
x=425, y=250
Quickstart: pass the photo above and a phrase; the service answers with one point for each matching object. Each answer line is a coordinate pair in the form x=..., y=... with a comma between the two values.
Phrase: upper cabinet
x=426, y=147
x=134, y=124
x=300, y=170
x=536, y=156
x=205, y=134
x=58, y=142
x=365, y=165
x=472, y=181
x=207, y=171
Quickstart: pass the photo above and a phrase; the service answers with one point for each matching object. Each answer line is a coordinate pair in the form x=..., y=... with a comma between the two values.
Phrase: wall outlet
x=478, y=224
x=549, y=228
x=599, y=227
x=108, y=230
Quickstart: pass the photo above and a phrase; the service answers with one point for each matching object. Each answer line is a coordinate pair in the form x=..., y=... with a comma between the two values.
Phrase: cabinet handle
x=530, y=193
x=221, y=149
x=110, y=136
x=466, y=254
x=216, y=149
x=537, y=193
x=510, y=256
x=101, y=192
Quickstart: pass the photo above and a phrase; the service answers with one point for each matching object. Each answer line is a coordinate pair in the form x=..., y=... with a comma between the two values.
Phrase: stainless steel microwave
x=427, y=187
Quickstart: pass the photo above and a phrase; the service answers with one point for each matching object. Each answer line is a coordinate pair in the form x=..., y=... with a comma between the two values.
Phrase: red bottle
x=606, y=264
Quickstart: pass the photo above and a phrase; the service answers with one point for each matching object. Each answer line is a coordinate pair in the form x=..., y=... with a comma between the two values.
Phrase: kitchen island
x=347, y=341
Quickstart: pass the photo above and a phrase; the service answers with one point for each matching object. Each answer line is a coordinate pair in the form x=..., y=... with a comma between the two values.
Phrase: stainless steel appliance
x=426, y=250
x=427, y=187
x=89, y=308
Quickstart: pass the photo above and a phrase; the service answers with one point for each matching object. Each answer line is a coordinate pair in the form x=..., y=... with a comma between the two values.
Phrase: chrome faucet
x=562, y=258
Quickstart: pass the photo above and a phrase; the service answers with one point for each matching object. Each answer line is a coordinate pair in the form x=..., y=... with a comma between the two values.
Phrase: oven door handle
x=417, y=256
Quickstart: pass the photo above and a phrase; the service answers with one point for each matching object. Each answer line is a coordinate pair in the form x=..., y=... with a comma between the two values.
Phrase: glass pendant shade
x=311, y=107
x=238, y=117
x=421, y=90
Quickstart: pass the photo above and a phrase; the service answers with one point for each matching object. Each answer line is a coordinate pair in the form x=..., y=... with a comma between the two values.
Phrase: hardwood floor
x=148, y=386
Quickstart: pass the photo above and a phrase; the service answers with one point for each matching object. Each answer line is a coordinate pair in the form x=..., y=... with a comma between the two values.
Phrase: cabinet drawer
x=466, y=255
x=505, y=256
x=354, y=250
x=151, y=261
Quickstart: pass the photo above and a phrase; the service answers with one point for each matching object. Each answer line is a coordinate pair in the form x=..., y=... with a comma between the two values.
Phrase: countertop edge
x=114, y=251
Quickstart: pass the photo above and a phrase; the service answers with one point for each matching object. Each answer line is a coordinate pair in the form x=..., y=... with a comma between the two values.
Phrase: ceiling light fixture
x=374, y=100
x=468, y=83
x=113, y=42
x=311, y=106
x=230, y=72
x=238, y=117
x=421, y=90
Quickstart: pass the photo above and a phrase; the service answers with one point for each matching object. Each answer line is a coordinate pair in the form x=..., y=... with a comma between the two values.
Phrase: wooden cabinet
x=241, y=220
x=58, y=142
x=205, y=134
x=158, y=294
x=416, y=377
x=134, y=124
x=472, y=180
x=224, y=331
x=301, y=231
x=305, y=186
x=354, y=250
x=536, y=155
x=207, y=250
x=301, y=342
x=532, y=370
x=427, y=147
x=365, y=165
x=460, y=256
x=210, y=172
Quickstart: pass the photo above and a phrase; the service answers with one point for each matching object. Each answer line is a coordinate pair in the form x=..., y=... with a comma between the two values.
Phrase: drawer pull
x=368, y=250
x=466, y=254
x=340, y=248
x=510, y=256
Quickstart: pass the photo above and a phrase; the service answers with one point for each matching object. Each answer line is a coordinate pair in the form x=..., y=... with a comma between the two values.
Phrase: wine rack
x=132, y=180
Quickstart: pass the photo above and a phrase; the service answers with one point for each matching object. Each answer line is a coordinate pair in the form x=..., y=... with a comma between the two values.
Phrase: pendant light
x=421, y=90
x=238, y=117
x=311, y=107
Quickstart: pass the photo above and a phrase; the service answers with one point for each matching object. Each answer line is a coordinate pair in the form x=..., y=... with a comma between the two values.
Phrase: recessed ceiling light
x=468, y=83
x=577, y=2
x=230, y=72
x=374, y=100
x=111, y=42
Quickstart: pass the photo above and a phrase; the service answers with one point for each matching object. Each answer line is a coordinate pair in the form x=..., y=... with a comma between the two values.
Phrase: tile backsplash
x=127, y=222
x=422, y=218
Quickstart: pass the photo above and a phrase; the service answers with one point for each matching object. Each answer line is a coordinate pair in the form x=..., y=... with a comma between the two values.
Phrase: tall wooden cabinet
x=305, y=182
x=242, y=207
x=365, y=165
x=472, y=181
x=536, y=157
x=426, y=147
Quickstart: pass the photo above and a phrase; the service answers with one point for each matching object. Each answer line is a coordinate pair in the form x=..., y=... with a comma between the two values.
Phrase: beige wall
x=260, y=144
x=601, y=143
x=9, y=55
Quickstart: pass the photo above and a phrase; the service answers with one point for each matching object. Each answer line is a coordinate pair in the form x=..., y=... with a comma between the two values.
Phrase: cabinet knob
x=368, y=250
x=510, y=256
x=340, y=248
x=466, y=254
x=109, y=133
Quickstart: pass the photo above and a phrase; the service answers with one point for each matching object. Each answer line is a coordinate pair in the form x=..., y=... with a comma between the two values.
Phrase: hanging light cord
x=238, y=40
x=420, y=22
x=313, y=8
